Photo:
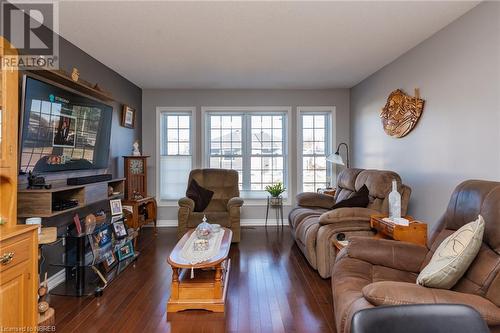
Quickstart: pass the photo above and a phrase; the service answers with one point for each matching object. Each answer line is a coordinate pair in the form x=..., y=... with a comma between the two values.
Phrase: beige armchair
x=224, y=208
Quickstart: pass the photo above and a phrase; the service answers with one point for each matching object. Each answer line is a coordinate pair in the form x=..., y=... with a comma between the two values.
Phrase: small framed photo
x=116, y=206
x=128, y=117
x=119, y=229
x=109, y=261
x=126, y=251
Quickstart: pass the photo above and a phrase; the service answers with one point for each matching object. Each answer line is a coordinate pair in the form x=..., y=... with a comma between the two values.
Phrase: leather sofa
x=223, y=209
x=314, y=224
x=419, y=318
x=374, y=272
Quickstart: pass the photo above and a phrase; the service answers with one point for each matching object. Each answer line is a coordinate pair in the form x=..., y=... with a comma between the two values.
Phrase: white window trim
x=331, y=138
x=173, y=109
x=286, y=109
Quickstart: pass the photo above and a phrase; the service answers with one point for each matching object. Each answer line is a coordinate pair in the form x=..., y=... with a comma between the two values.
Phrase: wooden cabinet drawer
x=20, y=247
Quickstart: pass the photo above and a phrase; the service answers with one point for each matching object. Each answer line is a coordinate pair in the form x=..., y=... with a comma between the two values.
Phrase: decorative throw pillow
x=200, y=195
x=453, y=256
x=359, y=199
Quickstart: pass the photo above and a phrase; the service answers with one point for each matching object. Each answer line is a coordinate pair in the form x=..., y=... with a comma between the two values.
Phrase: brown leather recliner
x=223, y=209
x=371, y=272
x=314, y=225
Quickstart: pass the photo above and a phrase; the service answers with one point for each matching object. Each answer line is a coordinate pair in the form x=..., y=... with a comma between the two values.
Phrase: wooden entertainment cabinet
x=18, y=243
x=39, y=202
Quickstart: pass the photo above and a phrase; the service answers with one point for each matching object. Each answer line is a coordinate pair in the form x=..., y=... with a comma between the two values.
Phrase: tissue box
x=200, y=244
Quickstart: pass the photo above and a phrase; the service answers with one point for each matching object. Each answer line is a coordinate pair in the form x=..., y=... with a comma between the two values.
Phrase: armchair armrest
x=186, y=202
x=397, y=293
x=357, y=214
x=389, y=253
x=234, y=202
x=313, y=199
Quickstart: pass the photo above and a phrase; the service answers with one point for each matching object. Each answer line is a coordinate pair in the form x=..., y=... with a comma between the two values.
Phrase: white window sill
x=248, y=202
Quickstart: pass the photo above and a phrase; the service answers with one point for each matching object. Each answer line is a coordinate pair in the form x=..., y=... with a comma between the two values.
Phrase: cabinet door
x=8, y=138
x=15, y=303
x=8, y=111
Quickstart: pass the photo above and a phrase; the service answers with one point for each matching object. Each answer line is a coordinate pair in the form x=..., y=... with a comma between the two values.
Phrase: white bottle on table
x=394, y=202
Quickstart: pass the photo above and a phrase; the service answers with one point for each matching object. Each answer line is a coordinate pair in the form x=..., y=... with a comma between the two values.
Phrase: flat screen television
x=62, y=130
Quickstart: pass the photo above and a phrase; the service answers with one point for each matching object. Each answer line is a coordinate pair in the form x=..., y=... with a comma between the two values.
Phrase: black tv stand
x=81, y=278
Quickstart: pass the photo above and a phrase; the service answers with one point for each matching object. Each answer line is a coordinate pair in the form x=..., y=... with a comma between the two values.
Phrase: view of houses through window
x=253, y=142
x=315, y=143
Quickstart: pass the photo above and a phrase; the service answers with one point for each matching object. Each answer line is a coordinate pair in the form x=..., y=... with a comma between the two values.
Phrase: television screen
x=62, y=130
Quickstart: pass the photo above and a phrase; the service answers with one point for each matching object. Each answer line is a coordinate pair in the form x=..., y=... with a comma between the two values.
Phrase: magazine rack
x=86, y=253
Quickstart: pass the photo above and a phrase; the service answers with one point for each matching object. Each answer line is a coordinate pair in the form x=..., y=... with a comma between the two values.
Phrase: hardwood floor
x=271, y=289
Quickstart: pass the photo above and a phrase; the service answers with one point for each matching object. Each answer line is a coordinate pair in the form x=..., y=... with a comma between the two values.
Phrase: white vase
x=394, y=202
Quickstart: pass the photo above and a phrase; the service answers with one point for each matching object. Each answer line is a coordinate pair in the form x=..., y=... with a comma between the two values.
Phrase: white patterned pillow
x=453, y=256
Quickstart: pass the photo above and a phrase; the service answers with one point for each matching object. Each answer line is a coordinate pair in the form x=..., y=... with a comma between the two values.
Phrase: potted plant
x=275, y=191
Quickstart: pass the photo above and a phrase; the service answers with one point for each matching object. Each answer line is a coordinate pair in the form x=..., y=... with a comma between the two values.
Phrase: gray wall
x=122, y=91
x=153, y=98
x=458, y=136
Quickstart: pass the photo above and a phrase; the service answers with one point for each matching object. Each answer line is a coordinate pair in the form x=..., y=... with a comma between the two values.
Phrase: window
x=175, y=151
x=251, y=141
x=315, y=144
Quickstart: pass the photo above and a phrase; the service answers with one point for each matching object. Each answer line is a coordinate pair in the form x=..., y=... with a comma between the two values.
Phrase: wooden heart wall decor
x=401, y=113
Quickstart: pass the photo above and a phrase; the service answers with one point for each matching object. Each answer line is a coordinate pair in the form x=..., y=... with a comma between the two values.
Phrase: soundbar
x=89, y=179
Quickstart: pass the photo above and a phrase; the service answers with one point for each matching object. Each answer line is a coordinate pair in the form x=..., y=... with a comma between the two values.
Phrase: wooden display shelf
x=82, y=86
x=38, y=202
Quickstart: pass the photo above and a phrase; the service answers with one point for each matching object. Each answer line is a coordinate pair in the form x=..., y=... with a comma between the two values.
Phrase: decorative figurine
x=75, y=74
x=90, y=222
x=136, y=151
x=43, y=291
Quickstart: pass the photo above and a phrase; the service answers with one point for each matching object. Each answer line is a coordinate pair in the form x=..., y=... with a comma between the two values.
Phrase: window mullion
x=247, y=150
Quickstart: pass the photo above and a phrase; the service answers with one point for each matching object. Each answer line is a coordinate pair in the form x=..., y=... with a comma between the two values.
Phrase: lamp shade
x=335, y=158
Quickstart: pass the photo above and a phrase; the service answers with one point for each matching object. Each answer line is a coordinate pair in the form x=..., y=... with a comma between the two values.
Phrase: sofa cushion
x=453, y=256
x=359, y=199
x=200, y=195
x=298, y=214
x=347, y=215
x=305, y=235
x=349, y=276
x=399, y=293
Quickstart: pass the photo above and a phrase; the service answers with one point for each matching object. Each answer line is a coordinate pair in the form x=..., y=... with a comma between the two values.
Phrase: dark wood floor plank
x=272, y=288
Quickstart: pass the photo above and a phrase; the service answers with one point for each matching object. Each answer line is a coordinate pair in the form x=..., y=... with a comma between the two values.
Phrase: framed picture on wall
x=128, y=117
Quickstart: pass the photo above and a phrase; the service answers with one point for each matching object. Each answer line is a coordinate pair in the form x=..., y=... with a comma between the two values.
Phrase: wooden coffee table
x=208, y=289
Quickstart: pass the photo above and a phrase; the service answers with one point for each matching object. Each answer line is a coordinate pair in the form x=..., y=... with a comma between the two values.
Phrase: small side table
x=275, y=203
x=143, y=212
x=415, y=233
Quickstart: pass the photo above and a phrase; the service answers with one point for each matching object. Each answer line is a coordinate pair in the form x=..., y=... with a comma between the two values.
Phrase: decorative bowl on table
x=204, y=230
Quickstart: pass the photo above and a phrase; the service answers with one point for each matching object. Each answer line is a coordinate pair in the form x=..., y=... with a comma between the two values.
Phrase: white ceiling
x=262, y=45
